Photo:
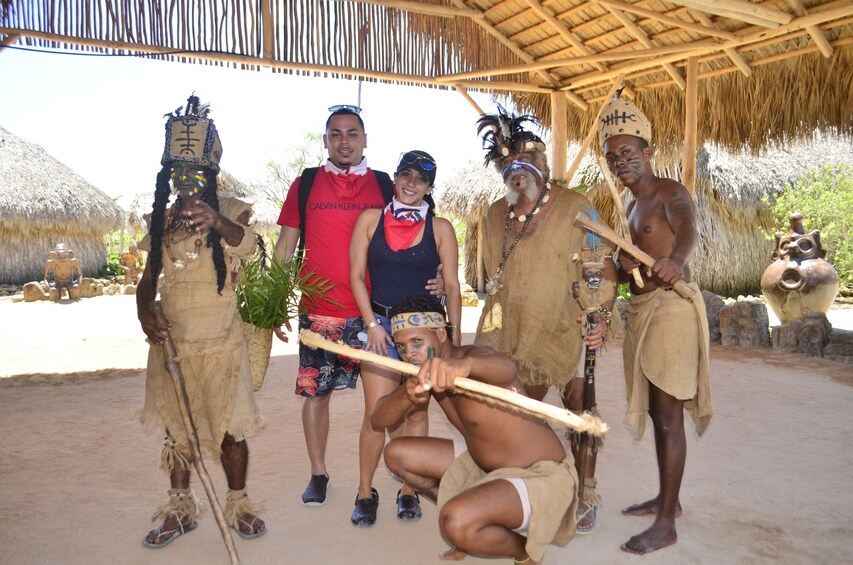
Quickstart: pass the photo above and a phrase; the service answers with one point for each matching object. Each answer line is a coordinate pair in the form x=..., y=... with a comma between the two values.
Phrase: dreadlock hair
x=158, y=221
x=158, y=225
x=418, y=303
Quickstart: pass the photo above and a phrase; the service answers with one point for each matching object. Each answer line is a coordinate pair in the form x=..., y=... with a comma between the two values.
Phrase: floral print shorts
x=321, y=371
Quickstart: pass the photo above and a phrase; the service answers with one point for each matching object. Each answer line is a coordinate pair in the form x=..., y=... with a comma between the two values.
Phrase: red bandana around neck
x=403, y=223
x=348, y=185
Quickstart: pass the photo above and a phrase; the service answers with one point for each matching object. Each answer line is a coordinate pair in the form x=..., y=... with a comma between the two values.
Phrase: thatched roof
x=733, y=222
x=42, y=203
x=766, y=71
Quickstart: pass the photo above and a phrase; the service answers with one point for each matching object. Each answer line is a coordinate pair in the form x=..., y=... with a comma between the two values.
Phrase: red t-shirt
x=328, y=229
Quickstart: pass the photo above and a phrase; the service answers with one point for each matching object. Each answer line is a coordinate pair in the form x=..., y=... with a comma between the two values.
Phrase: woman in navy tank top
x=393, y=253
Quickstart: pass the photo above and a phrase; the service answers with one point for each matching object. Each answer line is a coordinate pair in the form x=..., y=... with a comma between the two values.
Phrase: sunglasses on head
x=347, y=107
x=410, y=158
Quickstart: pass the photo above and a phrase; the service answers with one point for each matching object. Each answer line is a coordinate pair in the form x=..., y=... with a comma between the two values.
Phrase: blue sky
x=103, y=116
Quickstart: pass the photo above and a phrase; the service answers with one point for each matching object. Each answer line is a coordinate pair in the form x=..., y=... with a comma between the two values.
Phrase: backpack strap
x=306, y=181
x=386, y=185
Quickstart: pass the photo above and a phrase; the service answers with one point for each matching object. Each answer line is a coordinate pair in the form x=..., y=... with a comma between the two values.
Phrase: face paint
x=401, y=351
x=431, y=352
x=186, y=177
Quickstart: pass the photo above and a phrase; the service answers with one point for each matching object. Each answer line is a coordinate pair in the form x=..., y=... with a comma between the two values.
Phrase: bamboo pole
x=481, y=266
x=815, y=33
x=691, y=126
x=604, y=231
x=567, y=35
x=470, y=100
x=588, y=139
x=738, y=9
x=668, y=20
x=620, y=212
x=586, y=423
x=559, y=135
x=171, y=358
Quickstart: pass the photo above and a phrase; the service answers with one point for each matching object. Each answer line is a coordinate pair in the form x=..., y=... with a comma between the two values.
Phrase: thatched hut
x=734, y=223
x=42, y=203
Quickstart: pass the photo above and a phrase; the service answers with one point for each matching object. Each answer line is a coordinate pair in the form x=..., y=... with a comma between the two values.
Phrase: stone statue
x=61, y=271
x=131, y=263
x=799, y=280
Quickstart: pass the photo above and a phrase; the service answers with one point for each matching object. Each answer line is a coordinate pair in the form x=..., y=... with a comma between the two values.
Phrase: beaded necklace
x=493, y=285
x=174, y=226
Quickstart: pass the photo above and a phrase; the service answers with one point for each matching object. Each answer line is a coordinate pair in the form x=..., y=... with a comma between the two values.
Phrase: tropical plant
x=272, y=293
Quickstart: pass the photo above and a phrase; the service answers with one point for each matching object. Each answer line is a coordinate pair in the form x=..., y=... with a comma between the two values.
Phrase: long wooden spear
x=607, y=233
x=171, y=356
x=583, y=423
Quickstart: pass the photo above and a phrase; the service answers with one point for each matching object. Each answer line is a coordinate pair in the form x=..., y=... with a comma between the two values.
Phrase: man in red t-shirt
x=341, y=190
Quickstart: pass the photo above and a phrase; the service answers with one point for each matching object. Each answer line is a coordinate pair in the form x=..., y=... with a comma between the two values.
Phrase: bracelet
x=372, y=324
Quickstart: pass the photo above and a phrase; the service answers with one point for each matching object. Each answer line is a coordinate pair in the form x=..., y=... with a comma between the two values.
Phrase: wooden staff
x=585, y=423
x=171, y=355
x=588, y=395
x=620, y=211
x=604, y=231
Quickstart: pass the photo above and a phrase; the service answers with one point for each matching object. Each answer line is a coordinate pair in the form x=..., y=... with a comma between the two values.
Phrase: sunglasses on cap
x=413, y=159
x=347, y=107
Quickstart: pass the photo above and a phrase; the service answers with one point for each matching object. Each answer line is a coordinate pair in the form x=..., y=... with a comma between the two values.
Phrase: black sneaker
x=364, y=514
x=315, y=492
x=408, y=507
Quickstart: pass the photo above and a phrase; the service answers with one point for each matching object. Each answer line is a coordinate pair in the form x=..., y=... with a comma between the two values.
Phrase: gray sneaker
x=315, y=492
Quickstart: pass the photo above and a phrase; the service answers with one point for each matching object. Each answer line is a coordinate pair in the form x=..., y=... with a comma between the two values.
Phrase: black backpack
x=306, y=181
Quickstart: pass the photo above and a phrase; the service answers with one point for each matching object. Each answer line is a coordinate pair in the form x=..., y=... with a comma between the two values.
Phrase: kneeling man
x=513, y=492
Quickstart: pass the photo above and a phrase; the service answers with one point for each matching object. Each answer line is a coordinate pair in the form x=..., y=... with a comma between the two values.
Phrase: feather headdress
x=505, y=135
x=192, y=137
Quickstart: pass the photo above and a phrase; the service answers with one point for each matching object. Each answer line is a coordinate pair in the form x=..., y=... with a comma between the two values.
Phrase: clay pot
x=799, y=280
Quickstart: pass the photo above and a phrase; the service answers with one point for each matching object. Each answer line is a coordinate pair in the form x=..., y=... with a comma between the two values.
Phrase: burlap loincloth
x=666, y=343
x=552, y=488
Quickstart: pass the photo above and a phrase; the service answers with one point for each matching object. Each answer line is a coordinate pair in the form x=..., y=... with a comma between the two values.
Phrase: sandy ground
x=79, y=476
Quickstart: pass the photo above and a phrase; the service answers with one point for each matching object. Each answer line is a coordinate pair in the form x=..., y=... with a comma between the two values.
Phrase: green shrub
x=825, y=198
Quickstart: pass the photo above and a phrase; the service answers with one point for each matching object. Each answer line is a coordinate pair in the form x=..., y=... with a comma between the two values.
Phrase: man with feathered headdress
x=197, y=243
x=532, y=255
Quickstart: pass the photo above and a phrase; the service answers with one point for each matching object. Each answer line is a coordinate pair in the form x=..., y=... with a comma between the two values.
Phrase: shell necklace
x=494, y=284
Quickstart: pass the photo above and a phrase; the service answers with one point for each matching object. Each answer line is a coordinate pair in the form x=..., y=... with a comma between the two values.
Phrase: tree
x=281, y=175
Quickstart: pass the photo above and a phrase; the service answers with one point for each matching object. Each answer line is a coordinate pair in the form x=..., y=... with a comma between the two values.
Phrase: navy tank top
x=397, y=274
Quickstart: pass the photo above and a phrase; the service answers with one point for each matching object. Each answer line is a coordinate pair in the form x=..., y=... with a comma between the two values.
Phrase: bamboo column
x=481, y=267
x=559, y=140
x=592, y=131
x=691, y=120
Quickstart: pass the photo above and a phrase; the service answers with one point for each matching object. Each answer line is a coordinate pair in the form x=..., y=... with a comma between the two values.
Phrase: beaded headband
x=412, y=320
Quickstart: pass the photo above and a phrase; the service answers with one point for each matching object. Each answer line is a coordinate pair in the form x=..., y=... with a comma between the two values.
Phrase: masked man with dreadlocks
x=531, y=253
x=197, y=244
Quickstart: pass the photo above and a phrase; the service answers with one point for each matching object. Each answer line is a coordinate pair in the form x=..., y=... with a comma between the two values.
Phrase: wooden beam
x=470, y=100
x=668, y=20
x=422, y=8
x=592, y=131
x=562, y=30
x=559, y=135
x=816, y=35
x=682, y=50
x=641, y=36
x=742, y=10
x=691, y=126
x=269, y=35
x=494, y=32
x=10, y=39
x=735, y=57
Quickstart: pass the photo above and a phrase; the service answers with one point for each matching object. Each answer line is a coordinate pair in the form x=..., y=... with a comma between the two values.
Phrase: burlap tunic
x=534, y=318
x=666, y=343
x=208, y=335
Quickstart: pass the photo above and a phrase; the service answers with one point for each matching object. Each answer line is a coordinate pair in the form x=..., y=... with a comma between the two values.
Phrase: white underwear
x=521, y=487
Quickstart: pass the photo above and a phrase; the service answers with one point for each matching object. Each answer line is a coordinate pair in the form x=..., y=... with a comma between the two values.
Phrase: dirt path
x=79, y=476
